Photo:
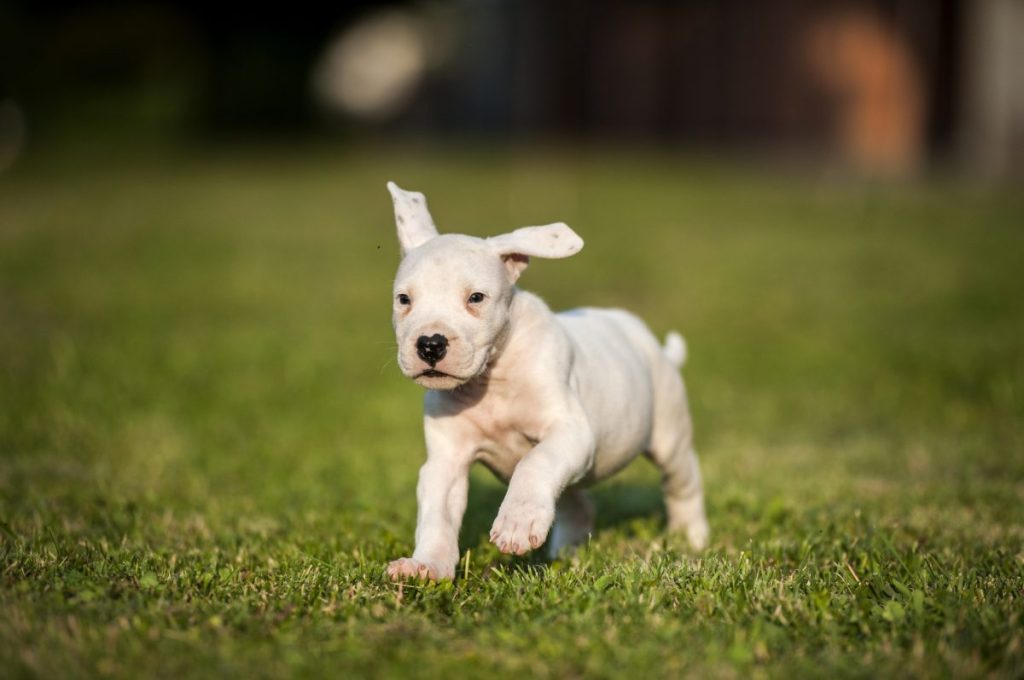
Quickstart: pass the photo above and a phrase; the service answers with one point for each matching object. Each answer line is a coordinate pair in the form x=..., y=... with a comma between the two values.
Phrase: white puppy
x=551, y=403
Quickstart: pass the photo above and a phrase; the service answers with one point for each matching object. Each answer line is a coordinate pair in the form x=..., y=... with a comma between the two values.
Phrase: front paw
x=407, y=568
x=522, y=525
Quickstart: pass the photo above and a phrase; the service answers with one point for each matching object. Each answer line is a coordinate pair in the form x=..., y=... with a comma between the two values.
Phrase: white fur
x=551, y=403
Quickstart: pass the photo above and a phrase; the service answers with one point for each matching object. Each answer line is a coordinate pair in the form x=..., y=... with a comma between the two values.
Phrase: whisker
x=385, y=365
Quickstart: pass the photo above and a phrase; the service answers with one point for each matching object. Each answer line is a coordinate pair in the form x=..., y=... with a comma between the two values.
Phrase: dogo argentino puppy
x=551, y=403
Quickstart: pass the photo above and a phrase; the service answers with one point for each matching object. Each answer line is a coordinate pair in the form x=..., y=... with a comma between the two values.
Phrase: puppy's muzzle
x=432, y=349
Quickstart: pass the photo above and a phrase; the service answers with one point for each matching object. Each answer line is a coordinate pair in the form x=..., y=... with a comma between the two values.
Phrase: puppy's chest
x=504, y=434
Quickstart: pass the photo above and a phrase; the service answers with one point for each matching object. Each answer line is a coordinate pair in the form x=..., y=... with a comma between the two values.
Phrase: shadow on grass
x=619, y=506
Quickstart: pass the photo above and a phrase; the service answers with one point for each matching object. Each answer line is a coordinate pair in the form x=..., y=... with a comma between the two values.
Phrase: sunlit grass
x=207, y=454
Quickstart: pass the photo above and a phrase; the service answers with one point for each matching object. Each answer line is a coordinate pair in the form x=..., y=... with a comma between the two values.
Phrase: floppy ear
x=551, y=241
x=415, y=225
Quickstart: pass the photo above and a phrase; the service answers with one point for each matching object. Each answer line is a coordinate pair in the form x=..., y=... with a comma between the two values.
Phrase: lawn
x=208, y=456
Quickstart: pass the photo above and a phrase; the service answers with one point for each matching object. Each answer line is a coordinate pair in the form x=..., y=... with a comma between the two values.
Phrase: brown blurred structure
x=880, y=86
x=877, y=86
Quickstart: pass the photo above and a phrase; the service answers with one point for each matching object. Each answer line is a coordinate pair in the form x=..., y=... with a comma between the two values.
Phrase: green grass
x=207, y=455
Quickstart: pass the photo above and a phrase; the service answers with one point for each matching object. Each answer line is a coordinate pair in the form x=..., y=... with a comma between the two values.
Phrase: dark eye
x=476, y=298
x=403, y=299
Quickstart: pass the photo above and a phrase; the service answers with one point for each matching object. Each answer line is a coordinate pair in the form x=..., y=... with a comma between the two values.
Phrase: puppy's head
x=452, y=293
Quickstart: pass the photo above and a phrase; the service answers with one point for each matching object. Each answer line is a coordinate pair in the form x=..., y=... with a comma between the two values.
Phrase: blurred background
x=884, y=87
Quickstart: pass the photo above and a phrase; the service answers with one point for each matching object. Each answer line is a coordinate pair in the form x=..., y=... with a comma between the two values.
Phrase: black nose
x=432, y=349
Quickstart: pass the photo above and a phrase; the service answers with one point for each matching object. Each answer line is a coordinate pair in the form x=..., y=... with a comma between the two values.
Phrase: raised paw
x=408, y=568
x=522, y=525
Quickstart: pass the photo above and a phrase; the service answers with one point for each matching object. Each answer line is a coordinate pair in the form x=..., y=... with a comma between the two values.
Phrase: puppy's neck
x=526, y=311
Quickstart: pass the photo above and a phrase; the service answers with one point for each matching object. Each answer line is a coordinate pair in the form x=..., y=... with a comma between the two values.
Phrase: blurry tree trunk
x=993, y=131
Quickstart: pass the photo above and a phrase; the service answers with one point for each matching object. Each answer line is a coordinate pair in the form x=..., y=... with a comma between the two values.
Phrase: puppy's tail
x=675, y=349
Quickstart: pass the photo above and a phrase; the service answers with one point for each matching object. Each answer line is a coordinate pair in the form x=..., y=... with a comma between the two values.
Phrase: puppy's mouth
x=434, y=373
x=434, y=379
x=462, y=370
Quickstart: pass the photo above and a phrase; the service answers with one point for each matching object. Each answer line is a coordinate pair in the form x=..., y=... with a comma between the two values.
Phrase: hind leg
x=574, y=521
x=672, y=451
x=684, y=494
